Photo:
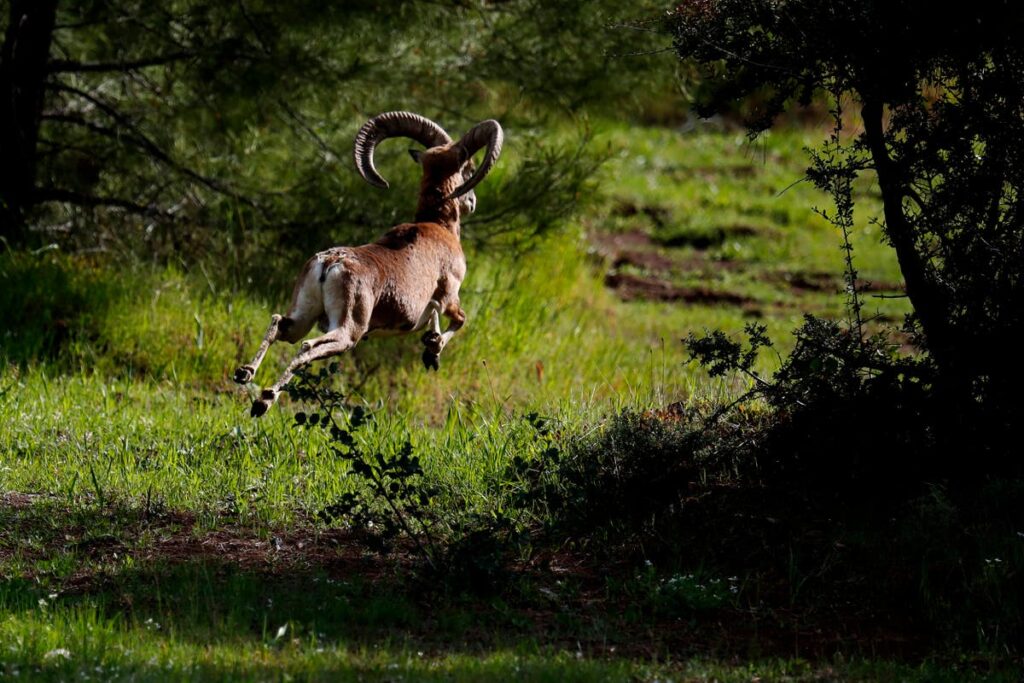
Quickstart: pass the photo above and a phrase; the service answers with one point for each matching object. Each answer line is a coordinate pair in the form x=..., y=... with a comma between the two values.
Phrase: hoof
x=432, y=340
x=244, y=374
x=258, y=408
x=431, y=361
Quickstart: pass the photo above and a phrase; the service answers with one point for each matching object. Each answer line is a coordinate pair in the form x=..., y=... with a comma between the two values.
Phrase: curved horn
x=484, y=133
x=388, y=125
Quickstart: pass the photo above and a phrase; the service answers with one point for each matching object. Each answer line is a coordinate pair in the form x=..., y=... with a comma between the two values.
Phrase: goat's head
x=441, y=163
x=447, y=165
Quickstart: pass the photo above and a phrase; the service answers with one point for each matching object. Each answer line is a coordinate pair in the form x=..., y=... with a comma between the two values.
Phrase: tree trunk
x=957, y=361
x=23, y=59
x=930, y=305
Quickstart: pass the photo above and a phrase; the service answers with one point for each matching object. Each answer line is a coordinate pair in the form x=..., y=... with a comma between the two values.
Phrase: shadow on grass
x=143, y=567
x=120, y=592
x=208, y=620
x=56, y=299
x=137, y=568
x=208, y=587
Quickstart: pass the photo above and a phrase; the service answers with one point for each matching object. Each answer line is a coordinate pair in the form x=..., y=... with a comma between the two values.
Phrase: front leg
x=428, y=316
x=434, y=341
x=332, y=346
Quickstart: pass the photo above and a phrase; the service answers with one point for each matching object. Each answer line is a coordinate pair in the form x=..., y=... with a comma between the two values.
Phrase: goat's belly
x=384, y=332
x=394, y=317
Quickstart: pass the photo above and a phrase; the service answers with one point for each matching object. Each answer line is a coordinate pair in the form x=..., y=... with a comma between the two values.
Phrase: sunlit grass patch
x=131, y=397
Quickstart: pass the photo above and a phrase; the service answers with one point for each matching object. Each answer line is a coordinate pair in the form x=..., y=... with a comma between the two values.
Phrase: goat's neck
x=433, y=206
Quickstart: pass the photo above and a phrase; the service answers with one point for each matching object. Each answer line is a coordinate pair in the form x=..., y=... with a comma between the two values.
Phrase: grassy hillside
x=152, y=529
x=118, y=380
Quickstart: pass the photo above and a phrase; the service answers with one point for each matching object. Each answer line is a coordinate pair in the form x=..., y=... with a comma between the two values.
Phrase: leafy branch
x=394, y=483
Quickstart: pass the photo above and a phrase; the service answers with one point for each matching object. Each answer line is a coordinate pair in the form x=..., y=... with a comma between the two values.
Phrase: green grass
x=115, y=395
x=720, y=182
x=209, y=622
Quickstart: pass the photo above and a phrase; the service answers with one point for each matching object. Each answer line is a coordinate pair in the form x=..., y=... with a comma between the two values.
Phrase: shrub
x=395, y=504
x=642, y=469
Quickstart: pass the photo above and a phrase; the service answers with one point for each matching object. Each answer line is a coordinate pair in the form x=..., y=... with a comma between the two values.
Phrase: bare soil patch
x=658, y=215
x=14, y=499
x=102, y=536
x=634, y=248
x=700, y=263
x=634, y=287
x=639, y=250
x=609, y=244
x=647, y=260
x=706, y=239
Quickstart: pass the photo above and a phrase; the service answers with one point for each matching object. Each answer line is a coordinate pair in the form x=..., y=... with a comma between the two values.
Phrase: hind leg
x=325, y=350
x=289, y=328
x=331, y=344
x=345, y=333
x=306, y=307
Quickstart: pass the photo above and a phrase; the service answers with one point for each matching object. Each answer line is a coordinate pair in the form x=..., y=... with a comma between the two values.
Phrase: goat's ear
x=416, y=155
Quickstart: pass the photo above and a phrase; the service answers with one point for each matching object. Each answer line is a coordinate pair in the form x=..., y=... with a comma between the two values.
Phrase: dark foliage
x=847, y=414
x=629, y=485
x=940, y=95
x=220, y=130
x=827, y=503
x=854, y=473
x=620, y=484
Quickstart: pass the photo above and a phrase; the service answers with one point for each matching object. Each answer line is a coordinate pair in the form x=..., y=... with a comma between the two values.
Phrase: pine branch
x=140, y=140
x=56, y=194
x=71, y=66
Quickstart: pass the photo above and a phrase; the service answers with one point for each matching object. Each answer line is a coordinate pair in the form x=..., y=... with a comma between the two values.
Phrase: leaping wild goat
x=405, y=280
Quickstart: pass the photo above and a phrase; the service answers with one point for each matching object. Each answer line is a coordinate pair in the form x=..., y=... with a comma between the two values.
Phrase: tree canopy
x=123, y=119
x=940, y=98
